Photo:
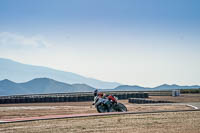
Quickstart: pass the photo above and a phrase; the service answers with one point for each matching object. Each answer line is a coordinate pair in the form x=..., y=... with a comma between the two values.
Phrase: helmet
x=100, y=94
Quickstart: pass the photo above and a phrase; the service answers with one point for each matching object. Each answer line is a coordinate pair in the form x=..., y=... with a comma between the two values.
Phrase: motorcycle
x=109, y=104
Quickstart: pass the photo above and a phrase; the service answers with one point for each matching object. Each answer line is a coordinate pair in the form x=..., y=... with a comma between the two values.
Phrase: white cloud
x=13, y=40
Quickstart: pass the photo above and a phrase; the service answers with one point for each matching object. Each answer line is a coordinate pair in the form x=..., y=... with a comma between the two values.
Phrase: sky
x=135, y=42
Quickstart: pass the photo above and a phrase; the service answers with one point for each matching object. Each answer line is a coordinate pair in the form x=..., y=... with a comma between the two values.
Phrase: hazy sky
x=136, y=42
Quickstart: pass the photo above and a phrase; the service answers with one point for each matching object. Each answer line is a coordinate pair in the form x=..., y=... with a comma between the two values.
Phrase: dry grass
x=181, y=122
x=42, y=109
x=184, y=98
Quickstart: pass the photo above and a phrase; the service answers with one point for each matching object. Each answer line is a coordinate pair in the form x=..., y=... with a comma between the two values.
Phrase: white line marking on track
x=192, y=106
x=3, y=121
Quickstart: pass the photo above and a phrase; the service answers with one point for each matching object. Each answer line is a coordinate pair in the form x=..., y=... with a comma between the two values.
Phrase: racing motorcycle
x=109, y=104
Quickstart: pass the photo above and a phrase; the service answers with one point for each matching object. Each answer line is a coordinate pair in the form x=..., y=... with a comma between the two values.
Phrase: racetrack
x=81, y=117
x=43, y=111
x=11, y=111
x=49, y=117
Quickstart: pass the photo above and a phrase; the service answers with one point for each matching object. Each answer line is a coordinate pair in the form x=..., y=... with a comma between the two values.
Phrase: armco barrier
x=145, y=101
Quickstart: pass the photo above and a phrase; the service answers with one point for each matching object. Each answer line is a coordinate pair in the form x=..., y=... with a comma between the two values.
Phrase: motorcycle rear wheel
x=120, y=107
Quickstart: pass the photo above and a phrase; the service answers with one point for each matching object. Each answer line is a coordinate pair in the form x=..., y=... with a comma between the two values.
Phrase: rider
x=112, y=98
x=98, y=96
x=101, y=97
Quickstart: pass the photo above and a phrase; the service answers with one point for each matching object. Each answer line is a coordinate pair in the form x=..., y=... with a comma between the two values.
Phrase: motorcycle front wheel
x=101, y=108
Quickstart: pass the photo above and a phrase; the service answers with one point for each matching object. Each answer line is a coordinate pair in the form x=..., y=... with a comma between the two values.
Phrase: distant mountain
x=161, y=87
x=128, y=88
x=166, y=86
x=174, y=86
x=19, y=72
x=40, y=86
x=46, y=85
x=8, y=87
x=81, y=87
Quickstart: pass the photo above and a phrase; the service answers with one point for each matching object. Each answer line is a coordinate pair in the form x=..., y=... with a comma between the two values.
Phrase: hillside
x=19, y=72
x=46, y=85
x=161, y=87
x=82, y=87
x=40, y=86
x=8, y=87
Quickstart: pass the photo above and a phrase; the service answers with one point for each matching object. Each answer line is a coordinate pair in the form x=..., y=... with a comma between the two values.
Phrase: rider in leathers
x=99, y=97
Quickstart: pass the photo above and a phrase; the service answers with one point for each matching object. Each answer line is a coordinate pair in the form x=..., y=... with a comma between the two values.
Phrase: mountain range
x=19, y=72
x=161, y=87
x=40, y=86
x=46, y=85
x=18, y=78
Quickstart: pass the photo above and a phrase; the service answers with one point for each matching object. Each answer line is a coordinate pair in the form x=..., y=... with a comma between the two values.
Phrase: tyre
x=120, y=107
x=101, y=108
